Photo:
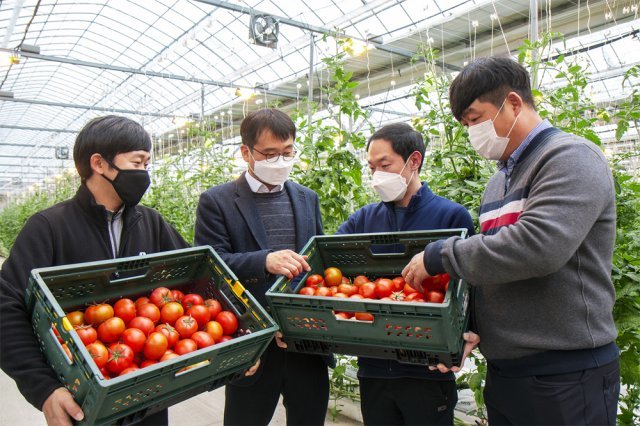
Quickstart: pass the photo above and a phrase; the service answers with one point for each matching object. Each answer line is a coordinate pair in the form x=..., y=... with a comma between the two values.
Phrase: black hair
x=108, y=136
x=403, y=138
x=274, y=120
x=489, y=80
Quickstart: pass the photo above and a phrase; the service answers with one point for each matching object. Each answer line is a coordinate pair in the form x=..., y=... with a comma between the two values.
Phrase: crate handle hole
x=193, y=367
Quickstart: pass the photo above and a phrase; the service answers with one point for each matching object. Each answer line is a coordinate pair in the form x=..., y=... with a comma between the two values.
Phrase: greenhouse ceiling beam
x=37, y=129
x=87, y=107
x=128, y=70
x=28, y=145
x=27, y=156
x=304, y=26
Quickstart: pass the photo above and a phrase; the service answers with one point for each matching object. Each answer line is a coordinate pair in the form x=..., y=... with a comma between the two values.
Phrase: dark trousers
x=407, y=401
x=303, y=381
x=160, y=418
x=586, y=397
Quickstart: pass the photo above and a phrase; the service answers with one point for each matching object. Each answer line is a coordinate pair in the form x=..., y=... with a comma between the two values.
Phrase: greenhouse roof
x=163, y=62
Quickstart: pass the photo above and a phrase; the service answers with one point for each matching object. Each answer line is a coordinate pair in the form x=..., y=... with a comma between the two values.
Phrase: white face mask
x=390, y=186
x=273, y=173
x=486, y=141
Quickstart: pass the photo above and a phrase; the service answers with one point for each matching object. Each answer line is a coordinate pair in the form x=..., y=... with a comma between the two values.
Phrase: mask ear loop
x=405, y=165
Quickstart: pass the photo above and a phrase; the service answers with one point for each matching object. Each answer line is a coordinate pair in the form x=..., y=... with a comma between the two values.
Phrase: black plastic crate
x=410, y=332
x=53, y=292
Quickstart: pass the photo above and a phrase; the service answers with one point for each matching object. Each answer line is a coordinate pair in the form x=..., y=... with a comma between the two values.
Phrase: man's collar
x=258, y=187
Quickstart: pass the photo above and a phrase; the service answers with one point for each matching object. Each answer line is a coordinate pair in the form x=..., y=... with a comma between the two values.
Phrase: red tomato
x=332, y=276
x=142, y=323
x=192, y=299
x=306, y=291
x=345, y=280
x=201, y=314
x=55, y=331
x=150, y=311
x=148, y=362
x=356, y=296
x=333, y=290
x=226, y=338
x=214, y=307
x=155, y=346
x=398, y=283
x=414, y=297
x=76, y=318
x=323, y=291
x=160, y=296
x=186, y=326
x=87, y=334
x=125, y=309
x=128, y=370
x=440, y=282
x=342, y=315
x=202, y=339
x=434, y=296
x=97, y=314
x=359, y=280
x=177, y=295
x=171, y=312
x=142, y=301
x=185, y=346
x=169, y=355
x=105, y=373
x=228, y=321
x=99, y=353
x=314, y=281
x=67, y=351
x=215, y=330
x=367, y=290
x=407, y=289
x=120, y=358
x=364, y=316
x=134, y=338
x=340, y=295
x=384, y=287
x=110, y=330
x=348, y=289
x=169, y=332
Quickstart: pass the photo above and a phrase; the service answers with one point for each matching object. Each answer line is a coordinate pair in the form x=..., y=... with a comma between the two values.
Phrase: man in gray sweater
x=541, y=267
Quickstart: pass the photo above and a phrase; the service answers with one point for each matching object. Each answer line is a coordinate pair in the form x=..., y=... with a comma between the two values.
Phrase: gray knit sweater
x=541, y=269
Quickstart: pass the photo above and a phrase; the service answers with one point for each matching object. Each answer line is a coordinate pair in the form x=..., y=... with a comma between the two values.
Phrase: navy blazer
x=227, y=219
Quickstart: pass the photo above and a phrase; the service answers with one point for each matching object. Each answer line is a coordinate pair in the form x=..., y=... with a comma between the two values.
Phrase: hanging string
x=506, y=43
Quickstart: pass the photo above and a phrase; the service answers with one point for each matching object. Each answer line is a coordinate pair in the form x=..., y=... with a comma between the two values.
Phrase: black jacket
x=72, y=231
x=227, y=219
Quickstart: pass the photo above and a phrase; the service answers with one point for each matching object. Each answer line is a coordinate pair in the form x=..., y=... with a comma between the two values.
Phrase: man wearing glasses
x=257, y=224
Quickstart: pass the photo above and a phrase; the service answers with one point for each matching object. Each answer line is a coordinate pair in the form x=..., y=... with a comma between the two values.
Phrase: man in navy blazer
x=258, y=224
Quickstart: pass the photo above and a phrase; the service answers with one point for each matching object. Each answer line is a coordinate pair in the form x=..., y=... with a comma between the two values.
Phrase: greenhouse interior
x=190, y=71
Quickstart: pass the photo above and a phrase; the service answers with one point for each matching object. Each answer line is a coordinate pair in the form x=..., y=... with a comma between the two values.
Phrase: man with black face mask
x=102, y=221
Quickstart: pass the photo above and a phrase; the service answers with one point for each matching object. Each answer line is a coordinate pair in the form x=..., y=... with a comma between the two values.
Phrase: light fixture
x=264, y=30
x=62, y=153
x=474, y=24
x=30, y=48
x=357, y=47
x=9, y=58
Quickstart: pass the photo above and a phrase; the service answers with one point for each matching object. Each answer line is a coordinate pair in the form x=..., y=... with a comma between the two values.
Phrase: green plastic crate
x=415, y=333
x=54, y=291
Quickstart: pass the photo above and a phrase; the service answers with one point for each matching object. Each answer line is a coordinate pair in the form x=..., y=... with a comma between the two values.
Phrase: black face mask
x=130, y=184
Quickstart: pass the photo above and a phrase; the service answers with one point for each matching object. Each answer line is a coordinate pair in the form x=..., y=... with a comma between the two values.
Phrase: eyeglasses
x=272, y=158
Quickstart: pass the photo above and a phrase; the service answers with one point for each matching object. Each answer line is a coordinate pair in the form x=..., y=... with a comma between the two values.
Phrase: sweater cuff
x=433, y=259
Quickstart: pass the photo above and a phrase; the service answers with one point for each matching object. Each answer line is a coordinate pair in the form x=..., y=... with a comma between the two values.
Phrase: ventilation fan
x=263, y=30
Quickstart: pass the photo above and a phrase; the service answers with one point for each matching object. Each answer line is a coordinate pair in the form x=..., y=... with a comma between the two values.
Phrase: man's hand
x=414, y=273
x=287, y=263
x=59, y=406
x=472, y=340
x=279, y=341
x=253, y=369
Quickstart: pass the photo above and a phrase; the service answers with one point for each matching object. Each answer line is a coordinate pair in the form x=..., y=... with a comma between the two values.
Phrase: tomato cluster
x=334, y=284
x=130, y=335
